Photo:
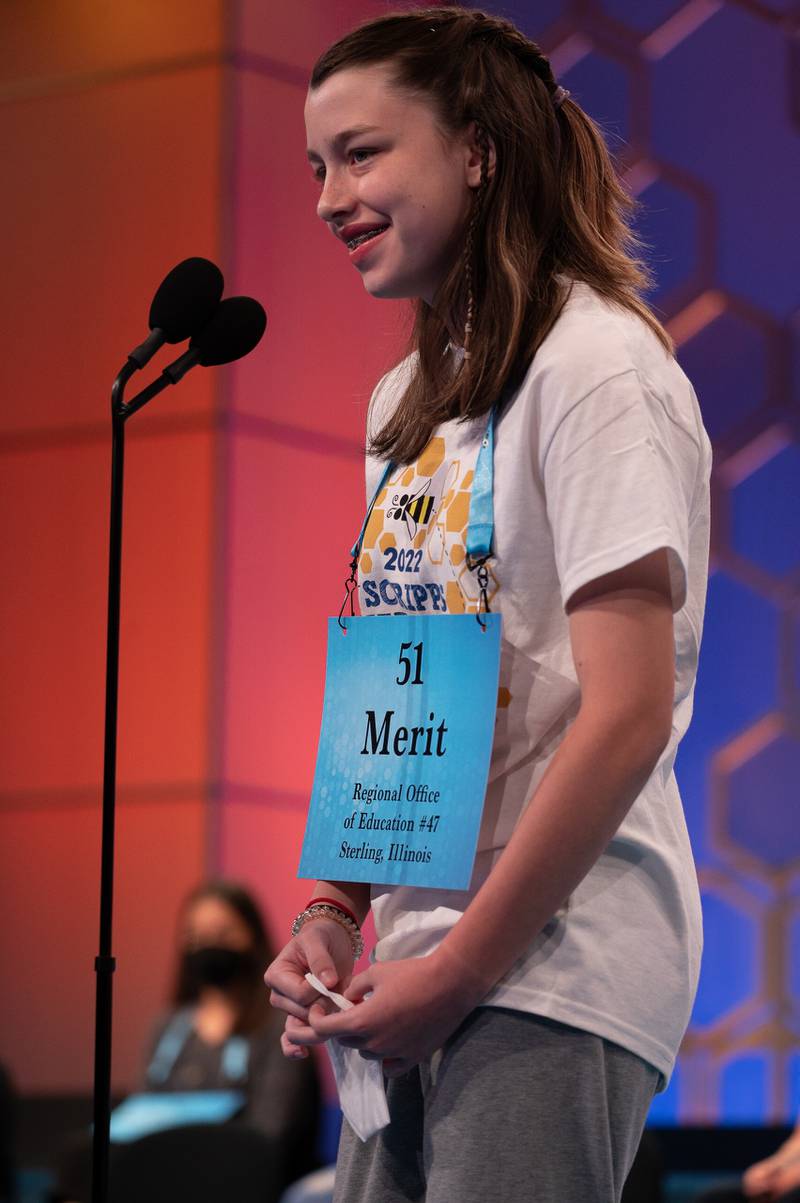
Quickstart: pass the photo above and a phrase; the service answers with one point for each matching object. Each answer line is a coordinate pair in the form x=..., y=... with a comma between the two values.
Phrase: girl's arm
x=622, y=643
x=623, y=648
x=353, y=895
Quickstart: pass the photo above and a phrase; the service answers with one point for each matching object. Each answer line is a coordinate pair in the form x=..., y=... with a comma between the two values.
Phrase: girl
x=525, y=1023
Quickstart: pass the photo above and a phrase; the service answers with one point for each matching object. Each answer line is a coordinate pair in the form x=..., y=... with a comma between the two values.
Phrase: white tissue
x=362, y=1094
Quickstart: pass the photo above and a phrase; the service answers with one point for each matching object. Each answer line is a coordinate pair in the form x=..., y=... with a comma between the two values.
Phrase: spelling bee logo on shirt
x=413, y=557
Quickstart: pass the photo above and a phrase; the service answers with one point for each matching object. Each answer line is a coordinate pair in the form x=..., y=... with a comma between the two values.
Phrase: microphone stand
x=105, y=963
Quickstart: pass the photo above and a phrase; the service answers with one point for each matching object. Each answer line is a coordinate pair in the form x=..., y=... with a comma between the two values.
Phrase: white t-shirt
x=600, y=458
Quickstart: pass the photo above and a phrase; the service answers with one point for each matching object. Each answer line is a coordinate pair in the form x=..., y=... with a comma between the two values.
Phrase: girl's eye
x=359, y=156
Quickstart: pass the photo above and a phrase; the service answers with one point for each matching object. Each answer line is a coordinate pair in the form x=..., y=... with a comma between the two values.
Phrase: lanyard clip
x=350, y=586
x=477, y=564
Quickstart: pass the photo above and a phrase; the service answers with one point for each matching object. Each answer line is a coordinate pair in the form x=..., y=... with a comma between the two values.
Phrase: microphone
x=184, y=303
x=235, y=329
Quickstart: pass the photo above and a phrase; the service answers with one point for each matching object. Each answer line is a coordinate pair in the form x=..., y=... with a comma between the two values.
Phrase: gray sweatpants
x=514, y=1108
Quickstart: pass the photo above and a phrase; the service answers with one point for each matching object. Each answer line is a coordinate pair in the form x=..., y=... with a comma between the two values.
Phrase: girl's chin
x=385, y=288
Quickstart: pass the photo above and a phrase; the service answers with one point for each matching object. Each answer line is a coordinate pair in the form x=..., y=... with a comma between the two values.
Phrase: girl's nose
x=335, y=199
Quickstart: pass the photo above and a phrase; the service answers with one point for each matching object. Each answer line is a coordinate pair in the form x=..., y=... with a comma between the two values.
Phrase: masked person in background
x=222, y=1034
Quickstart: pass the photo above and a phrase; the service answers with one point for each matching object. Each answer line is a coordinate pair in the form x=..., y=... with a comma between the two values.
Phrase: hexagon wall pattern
x=700, y=102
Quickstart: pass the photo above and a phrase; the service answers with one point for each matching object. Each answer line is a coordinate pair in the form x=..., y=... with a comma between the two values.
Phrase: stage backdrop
x=140, y=133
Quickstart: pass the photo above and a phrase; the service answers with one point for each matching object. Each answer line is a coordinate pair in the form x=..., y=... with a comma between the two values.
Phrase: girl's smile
x=384, y=164
x=364, y=245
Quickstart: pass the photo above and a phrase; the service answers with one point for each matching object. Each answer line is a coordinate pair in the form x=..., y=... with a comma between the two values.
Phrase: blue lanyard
x=480, y=527
x=235, y=1053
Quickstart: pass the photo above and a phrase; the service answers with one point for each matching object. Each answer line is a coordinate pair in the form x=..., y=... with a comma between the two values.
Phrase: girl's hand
x=295, y=1030
x=413, y=1007
x=323, y=947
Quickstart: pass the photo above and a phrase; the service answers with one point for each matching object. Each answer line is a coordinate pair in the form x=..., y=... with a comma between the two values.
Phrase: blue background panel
x=793, y=972
x=720, y=112
x=793, y=1107
x=728, y=976
x=762, y=803
x=727, y=362
x=669, y=224
x=766, y=513
x=716, y=114
x=641, y=17
x=601, y=85
x=745, y=1088
x=534, y=19
x=737, y=683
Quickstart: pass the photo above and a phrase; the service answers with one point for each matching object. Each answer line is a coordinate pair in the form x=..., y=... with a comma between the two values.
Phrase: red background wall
x=134, y=135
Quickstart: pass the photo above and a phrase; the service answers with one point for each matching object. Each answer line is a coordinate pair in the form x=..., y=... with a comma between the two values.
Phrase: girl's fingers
x=289, y=983
x=282, y=1003
x=302, y=1033
x=289, y=1049
x=361, y=984
x=329, y=1020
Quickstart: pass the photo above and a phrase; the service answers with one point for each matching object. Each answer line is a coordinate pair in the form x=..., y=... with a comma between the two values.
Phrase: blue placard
x=404, y=749
x=141, y=1114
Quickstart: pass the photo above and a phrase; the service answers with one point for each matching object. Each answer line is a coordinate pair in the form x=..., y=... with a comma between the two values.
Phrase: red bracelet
x=334, y=902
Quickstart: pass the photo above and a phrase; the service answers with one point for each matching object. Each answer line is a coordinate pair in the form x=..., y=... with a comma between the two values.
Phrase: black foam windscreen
x=234, y=330
x=186, y=299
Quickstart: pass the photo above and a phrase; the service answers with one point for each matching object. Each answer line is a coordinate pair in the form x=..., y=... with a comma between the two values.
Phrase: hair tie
x=559, y=96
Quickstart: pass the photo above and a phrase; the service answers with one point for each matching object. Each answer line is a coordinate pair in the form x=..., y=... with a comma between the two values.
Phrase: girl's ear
x=475, y=152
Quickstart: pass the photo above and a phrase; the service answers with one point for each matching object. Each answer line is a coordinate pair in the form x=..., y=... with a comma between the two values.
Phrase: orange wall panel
x=260, y=844
x=293, y=516
x=274, y=29
x=49, y=883
x=54, y=523
x=111, y=187
x=132, y=144
x=161, y=856
x=48, y=41
x=165, y=662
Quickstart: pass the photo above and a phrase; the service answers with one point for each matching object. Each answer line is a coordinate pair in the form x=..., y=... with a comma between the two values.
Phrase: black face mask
x=221, y=967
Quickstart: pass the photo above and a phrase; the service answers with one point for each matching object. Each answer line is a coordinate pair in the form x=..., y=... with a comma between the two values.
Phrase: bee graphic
x=413, y=508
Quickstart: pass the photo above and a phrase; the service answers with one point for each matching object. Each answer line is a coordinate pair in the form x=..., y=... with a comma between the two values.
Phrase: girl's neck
x=217, y=1015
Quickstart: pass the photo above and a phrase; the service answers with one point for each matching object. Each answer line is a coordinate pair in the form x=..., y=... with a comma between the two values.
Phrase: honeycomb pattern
x=760, y=809
x=444, y=536
x=697, y=102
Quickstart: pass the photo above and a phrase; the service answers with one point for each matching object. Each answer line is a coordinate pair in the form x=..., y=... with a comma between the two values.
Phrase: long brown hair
x=553, y=206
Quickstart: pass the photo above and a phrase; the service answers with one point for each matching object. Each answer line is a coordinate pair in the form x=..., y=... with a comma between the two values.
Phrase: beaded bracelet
x=324, y=910
x=333, y=902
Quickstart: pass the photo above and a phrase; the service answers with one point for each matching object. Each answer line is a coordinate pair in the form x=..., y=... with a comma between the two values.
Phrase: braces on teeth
x=352, y=243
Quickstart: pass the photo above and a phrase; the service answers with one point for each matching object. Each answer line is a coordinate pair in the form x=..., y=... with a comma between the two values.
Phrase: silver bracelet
x=323, y=910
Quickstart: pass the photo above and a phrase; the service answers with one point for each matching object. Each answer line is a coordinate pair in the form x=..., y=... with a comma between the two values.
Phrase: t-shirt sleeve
x=618, y=475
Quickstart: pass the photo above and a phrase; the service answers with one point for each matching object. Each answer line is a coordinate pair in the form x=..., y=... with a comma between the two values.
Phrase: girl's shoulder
x=388, y=391
x=596, y=338
x=594, y=343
